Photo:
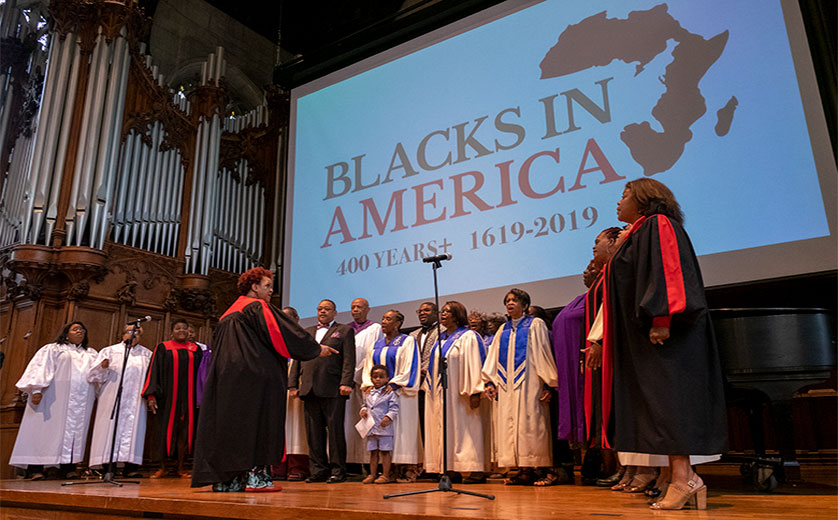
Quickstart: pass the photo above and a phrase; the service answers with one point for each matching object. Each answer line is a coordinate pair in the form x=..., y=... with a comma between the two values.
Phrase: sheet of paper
x=365, y=425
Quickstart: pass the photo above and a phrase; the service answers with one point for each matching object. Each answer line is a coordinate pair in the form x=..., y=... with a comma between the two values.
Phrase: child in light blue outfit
x=382, y=403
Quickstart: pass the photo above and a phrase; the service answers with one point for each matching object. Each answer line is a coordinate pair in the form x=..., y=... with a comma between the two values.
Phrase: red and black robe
x=666, y=399
x=242, y=422
x=171, y=379
x=593, y=378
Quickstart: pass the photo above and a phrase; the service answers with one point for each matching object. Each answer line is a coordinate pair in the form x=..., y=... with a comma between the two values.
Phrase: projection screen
x=506, y=139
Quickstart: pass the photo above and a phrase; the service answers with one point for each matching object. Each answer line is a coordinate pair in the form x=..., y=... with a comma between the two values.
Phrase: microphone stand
x=444, y=479
x=108, y=478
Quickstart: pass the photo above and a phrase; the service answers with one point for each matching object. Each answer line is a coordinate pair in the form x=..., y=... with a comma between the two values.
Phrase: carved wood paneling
x=102, y=289
x=136, y=277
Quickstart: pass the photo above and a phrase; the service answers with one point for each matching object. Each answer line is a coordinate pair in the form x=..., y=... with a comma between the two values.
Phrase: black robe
x=667, y=399
x=172, y=377
x=242, y=421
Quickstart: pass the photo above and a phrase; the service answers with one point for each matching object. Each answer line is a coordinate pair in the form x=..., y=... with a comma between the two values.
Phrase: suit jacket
x=323, y=376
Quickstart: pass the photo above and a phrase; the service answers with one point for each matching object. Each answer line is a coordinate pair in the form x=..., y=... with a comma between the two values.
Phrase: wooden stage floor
x=814, y=498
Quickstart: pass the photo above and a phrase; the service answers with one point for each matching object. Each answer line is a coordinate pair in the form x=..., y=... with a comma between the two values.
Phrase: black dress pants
x=324, y=424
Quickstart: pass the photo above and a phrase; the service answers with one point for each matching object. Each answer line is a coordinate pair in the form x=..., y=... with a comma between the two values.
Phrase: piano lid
x=775, y=339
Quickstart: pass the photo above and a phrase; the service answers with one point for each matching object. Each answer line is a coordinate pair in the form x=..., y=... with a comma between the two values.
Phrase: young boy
x=383, y=405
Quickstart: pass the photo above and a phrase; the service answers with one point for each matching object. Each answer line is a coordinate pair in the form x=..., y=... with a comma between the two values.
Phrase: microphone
x=139, y=320
x=437, y=258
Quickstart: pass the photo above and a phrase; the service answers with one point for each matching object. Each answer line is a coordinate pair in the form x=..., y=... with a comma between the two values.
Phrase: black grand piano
x=773, y=352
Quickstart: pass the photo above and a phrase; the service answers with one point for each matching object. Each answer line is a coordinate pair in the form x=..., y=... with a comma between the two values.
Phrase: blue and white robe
x=520, y=364
x=469, y=446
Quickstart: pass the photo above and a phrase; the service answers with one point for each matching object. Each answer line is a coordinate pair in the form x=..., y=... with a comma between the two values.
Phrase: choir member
x=53, y=431
x=399, y=354
x=367, y=333
x=605, y=244
x=466, y=414
x=658, y=344
x=425, y=336
x=106, y=372
x=478, y=323
x=519, y=372
x=295, y=466
x=242, y=425
x=493, y=322
x=170, y=389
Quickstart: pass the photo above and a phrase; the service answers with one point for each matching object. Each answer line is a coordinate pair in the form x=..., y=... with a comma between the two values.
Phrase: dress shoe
x=334, y=479
x=609, y=481
x=295, y=478
x=312, y=479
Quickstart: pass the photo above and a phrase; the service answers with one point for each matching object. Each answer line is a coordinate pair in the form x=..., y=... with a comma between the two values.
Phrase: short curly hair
x=250, y=277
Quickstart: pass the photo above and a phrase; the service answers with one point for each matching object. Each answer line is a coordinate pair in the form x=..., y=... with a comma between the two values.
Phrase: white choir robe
x=522, y=422
x=132, y=413
x=54, y=431
x=468, y=446
x=356, y=447
x=407, y=436
x=295, y=423
x=630, y=458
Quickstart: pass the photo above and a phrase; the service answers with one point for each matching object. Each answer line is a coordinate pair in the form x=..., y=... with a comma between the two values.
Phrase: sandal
x=369, y=480
x=382, y=480
x=409, y=477
x=628, y=475
x=522, y=478
x=550, y=479
x=640, y=482
x=679, y=495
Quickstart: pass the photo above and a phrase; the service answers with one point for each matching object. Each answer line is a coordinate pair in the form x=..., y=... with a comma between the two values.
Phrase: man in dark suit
x=324, y=384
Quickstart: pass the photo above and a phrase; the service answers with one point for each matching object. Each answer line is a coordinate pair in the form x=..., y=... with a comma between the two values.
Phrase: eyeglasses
x=445, y=311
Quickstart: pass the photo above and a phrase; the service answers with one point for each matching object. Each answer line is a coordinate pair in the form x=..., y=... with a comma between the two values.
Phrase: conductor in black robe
x=659, y=344
x=241, y=429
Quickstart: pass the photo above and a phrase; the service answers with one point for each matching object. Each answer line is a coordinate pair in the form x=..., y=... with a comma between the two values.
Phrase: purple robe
x=567, y=341
x=203, y=371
